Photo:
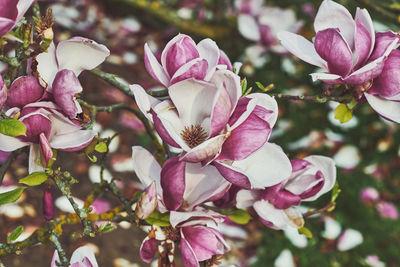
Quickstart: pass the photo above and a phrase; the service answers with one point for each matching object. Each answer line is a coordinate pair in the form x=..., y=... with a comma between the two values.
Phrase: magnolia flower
x=387, y=210
x=179, y=185
x=82, y=257
x=24, y=90
x=3, y=92
x=11, y=11
x=182, y=59
x=369, y=195
x=58, y=69
x=47, y=129
x=263, y=26
x=197, y=237
x=311, y=177
x=347, y=48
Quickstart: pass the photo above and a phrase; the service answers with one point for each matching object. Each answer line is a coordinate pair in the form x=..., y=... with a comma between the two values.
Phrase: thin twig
x=61, y=253
x=315, y=99
x=328, y=207
x=10, y=159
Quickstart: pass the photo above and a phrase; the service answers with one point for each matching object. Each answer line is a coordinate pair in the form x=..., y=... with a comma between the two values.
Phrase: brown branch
x=329, y=207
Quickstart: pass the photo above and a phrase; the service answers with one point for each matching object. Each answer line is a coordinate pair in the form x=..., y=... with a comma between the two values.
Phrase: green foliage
x=35, y=178
x=15, y=234
x=101, y=147
x=343, y=113
x=158, y=218
x=12, y=127
x=240, y=216
x=11, y=196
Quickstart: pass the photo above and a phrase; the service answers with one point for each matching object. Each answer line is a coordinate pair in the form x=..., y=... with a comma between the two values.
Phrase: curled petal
x=387, y=109
x=209, y=50
x=173, y=183
x=154, y=68
x=148, y=249
x=147, y=202
x=385, y=42
x=24, y=90
x=144, y=101
x=362, y=43
x=224, y=60
x=146, y=167
x=206, y=151
x=47, y=152
x=189, y=258
x=47, y=66
x=363, y=17
x=84, y=254
x=197, y=69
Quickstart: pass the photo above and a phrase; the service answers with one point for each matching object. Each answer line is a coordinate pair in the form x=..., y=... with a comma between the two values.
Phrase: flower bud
x=147, y=202
x=388, y=210
x=48, y=204
x=3, y=92
x=369, y=195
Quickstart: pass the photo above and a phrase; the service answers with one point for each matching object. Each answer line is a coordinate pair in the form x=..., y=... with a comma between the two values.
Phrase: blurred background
x=364, y=228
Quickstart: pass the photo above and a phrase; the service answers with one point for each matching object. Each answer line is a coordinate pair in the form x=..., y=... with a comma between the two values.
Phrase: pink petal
x=78, y=54
x=364, y=18
x=196, y=68
x=362, y=43
x=147, y=202
x=36, y=123
x=188, y=256
x=280, y=198
x=233, y=175
x=3, y=92
x=24, y=90
x=47, y=152
x=154, y=68
x=83, y=252
x=331, y=46
x=333, y=15
x=385, y=42
x=224, y=60
x=209, y=50
x=148, y=249
x=173, y=183
x=388, y=109
x=54, y=259
x=301, y=48
x=8, y=9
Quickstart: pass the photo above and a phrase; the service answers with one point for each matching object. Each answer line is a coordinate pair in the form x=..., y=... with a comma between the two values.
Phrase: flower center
x=194, y=135
x=172, y=234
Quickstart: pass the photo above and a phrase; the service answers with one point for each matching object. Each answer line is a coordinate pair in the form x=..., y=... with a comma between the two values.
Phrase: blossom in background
x=81, y=257
x=352, y=53
x=182, y=59
x=311, y=177
x=58, y=69
x=47, y=129
x=11, y=11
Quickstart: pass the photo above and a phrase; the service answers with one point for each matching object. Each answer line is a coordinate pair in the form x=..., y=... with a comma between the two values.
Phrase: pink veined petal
x=188, y=256
x=78, y=54
x=36, y=123
x=47, y=66
x=209, y=50
x=83, y=252
x=363, y=16
x=233, y=175
x=196, y=68
x=387, y=84
x=148, y=249
x=301, y=48
x=154, y=68
x=366, y=73
x=179, y=51
x=146, y=167
x=24, y=90
x=385, y=42
x=389, y=110
x=144, y=101
x=173, y=183
x=6, y=25
x=280, y=198
x=362, y=43
x=203, y=242
x=35, y=164
x=206, y=151
x=193, y=100
x=331, y=47
x=202, y=184
x=224, y=60
x=266, y=107
x=248, y=27
x=8, y=9
x=333, y=15
x=221, y=111
x=23, y=6
x=47, y=152
x=246, y=139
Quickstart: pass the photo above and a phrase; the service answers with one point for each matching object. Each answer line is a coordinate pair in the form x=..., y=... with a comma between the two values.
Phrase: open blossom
x=58, y=69
x=47, y=129
x=261, y=24
x=182, y=59
x=347, y=48
x=82, y=257
x=23, y=91
x=311, y=177
x=11, y=11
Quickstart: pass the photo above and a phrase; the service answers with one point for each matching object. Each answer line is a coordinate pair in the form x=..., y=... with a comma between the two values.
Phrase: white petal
x=144, y=101
x=64, y=205
x=23, y=6
x=269, y=213
x=295, y=238
x=8, y=143
x=47, y=66
x=78, y=54
x=73, y=140
x=245, y=198
x=385, y=108
x=349, y=239
x=334, y=15
x=324, y=76
x=332, y=228
x=267, y=102
x=156, y=68
x=301, y=48
x=248, y=27
x=285, y=259
x=209, y=50
x=80, y=254
x=35, y=165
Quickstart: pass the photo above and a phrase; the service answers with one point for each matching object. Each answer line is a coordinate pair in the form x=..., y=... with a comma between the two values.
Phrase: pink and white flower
x=11, y=11
x=312, y=177
x=347, y=48
x=81, y=257
x=23, y=91
x=47, y=129
x=182, y=59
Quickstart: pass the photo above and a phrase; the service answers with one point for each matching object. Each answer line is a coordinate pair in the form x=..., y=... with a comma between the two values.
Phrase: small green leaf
x=259, y=85
x=106, y=227
x=12, y=127
x=240, y=216
x=248, y=91
x=335, y=192
x=160, y=219
x=343, y=113
x=35, y=178
x=93, y=158
x=15, y=234
x=305, y=231
x=244, y=85
x=101, y=147
x=11, y=196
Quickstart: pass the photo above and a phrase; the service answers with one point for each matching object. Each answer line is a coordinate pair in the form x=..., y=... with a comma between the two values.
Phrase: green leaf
x=259, y=85
x=335, y=192
x=343, y=113
x=160, y=219
x=240, y=216
x=11, y=196
x=244, y=85
x=101, y=147
x=15, y=234
x=35, y=178
x=305, y=231
x=106, y=227
x=12, y=127
x=93, y=158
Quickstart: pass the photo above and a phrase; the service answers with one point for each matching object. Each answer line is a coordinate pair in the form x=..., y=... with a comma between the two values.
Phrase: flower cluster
x=352, y=53
x=223, y=154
